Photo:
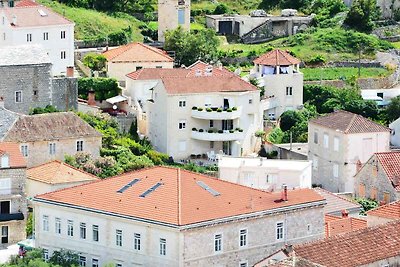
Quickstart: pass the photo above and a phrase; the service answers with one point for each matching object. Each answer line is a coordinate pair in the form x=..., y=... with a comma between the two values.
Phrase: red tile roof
x=336, y=203
x=276, y=57
x=195, y=79
x=137, y=52
x=348, y=123
x=388, y=211
x=390, y=162
x=16, y=160
x=29, y=16
x=335, y=225
x=26, y=3
x=357, y=248
x=179, y=200
x=57, y=172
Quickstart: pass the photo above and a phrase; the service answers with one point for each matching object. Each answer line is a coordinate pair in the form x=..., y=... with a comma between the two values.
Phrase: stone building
x=171, y=15
x=13, y=206
x=50, y=136
x=26, y=81
x=338, y=143
x=171, y=217
x=384, y=214
x=379, y=178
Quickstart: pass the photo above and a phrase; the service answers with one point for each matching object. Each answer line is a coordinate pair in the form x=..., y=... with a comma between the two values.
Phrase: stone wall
x=65, y=93
x=125, y=122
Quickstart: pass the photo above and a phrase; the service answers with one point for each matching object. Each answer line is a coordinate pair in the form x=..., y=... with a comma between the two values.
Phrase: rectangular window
x=4, y=234
x=118, y=265
x=386, y=197
x=52, y=148
x=289, y=90
x=182, y=103
x=45, y=223
x=182, y=124
x=136, y=241
x=62, y=34
x=82, y=261
x=243, y=238
x=211, y=123
x=18, y=97
x=243, y=264
x=211, y=144
x=336, y=143
x=315, y=137
x=361, y=190
x=218, y=242
x=279, y=231
x=374, y=193
x=45, y=36
x=79, y=145
x=46, y=254
x=95, y=233
x=29, y=37
x=24, y=150
x=326, y=140
x=335, y=170
x=181, y=16
x=250, y=100
x=58, y=226
x=163, y=246
x=139, y=67
x=118, y=238
x=70, y=229
x=95, y=263
x=63, y=55
x=82, y=230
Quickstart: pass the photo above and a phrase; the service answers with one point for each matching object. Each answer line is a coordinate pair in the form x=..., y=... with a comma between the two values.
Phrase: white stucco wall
x=119, y=70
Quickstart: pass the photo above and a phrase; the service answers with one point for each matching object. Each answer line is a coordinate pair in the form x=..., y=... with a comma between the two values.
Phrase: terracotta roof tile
x=390, y=162
x=276, y=58
x=335, y=225
x=179, y=200
x=348, y=123
x=336, y=203
x=26, y=3
x=16, y=160
x=388, y=211
x=292, y=261
x=357, y=248
x=137, y=52
x=57, y=172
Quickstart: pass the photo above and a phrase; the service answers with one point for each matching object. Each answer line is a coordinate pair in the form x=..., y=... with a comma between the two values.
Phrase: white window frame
x=315, y=137
x=45, y=222
x=243, y=237
x=82, y=261
x=218, y=238
x=57, y=226
x=82, y=230
x=52, y=148
x=280, y=230
x=79, y=145
x=63, y=34
x=118, y=238
x=137, y=240
x=243, y=264
x=5, y=161
x=70, y=228
x=24, y=150
x=163, y=246
x=95, y=262
x=45, y=36
x=336, y=142
x=335, y=170
x=63, y=54
x=289, y=90
x=326, y=140
x=18, y=98
x=46, y=255
x=182, y=125
x=182, y=103
x=95, y=233
x=29, y=37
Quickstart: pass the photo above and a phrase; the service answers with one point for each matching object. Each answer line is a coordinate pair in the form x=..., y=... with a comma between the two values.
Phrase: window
x=335, y=170
x=52, y=148
x=218, y=242
x=326, y=140
x=315, y=137
x=29, y=37
x=182, y=124
x=207, y=102
x=62, y=34
x=18, y=97
x=79, y=145
x=336, y=143
x=289, y=90
x=45, y=223
x=70, y=229
x=243, y=264
x=374, y=193
x=82, y=261
x=4, y=234
x=5, y=161
x=309, y=228
x=181, y=16
x=24, y=150
x=63, y=55
x=182, y=146
x=136, y=241
x=361, y=190
x=83, y=230
x=58, y=226
x=95, y=262
x=46, y=254
x=45, y=36
x=243, y=238
x=95, y=233
x=118, y=238
x=250, y=100
x=163, y=246
x=35, y=93
x=182, y=103
x=279, y=231
x=211, y=144
x=118, y=265
x=211, y=123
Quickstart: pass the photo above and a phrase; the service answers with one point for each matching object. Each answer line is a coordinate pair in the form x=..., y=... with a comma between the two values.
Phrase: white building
x=279, y=73
x=265, y=174
x=338, y=143
x=171, y=15
x=31, y=23
x=170, y=217
x=395, y=133
x=196, y=110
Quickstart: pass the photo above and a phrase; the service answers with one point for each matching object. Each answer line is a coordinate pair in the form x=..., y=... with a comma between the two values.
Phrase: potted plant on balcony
x=210, y=131
x=208, y=109
x=199, y=109
x=201, y=130
x=192, y=156
x=229, y=110
x=194, y=108
x=240, y=130
x=219, y=110
x=194, y=129
x=232, y=131
x=220, y=131
x=234, y=108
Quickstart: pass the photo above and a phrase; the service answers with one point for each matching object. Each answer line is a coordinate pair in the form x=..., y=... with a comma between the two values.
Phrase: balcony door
x=4, y=234
x=227, y=125
x=227, y=147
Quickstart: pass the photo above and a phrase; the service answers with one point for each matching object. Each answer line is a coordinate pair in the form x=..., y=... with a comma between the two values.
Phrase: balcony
x=226, y=135
x=11, y=217
x=216, y=113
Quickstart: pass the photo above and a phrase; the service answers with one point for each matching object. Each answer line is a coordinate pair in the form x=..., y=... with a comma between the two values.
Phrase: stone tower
x=171, y=14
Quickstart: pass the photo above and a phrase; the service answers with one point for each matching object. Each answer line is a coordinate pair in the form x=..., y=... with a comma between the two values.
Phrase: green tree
x=392, y=111
x=192, y=46
x=221, y=9
x=64, y=258
x=289, y=119
x=362, y=15
x=47, y=109
x=95, y=61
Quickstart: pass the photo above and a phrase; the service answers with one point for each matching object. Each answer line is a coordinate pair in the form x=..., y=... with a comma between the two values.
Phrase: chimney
x=284, y=195
x=70, y=72
x=345, y=214
x=91, y=98
x=106, y=48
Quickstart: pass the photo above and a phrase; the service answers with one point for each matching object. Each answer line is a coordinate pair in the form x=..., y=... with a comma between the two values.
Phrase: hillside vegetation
x=91, y=25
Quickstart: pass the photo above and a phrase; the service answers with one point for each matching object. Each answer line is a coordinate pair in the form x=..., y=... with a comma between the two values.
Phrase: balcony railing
x=19, y=216
x=227, y=135
x=216, y=113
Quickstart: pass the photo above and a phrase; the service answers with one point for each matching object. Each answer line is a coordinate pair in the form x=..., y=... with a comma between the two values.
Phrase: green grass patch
x=197, y=26
x=314, y=74
x=396, y=45
x=93, y=25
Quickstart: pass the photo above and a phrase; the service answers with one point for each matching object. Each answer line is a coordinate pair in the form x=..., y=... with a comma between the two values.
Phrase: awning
x=28, y=244
x=116, y=99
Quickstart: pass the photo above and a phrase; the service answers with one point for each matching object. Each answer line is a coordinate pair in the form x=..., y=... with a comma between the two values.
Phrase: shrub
x=234, y=108
x=240, y=130
x=231, y=131
x=200, y=109
x=219, y=110
x=104, y=87
x=229, y=110
x=366, y=204
x=208, y=109
x=194, y=108
x=194, y=129
x=201, y=130
x=95, y=61
x=318, y=59
x=210, y=131
x=156, y=157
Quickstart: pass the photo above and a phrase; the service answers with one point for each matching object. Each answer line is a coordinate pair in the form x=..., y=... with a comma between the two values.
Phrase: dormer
x=5, y=161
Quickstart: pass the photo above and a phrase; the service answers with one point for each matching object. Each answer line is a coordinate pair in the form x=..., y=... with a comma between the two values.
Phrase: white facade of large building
x=265, y=174
x=37, y=24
